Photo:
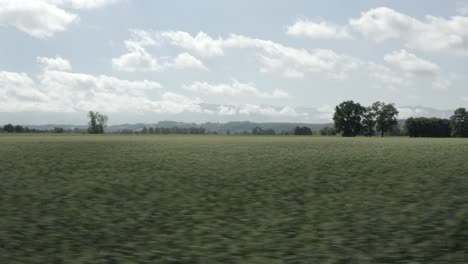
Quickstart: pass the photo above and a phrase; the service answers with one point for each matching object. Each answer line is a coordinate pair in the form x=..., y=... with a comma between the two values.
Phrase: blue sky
x=229, y=60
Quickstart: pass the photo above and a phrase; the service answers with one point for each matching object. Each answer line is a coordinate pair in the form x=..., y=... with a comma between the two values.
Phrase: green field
x=232, y=199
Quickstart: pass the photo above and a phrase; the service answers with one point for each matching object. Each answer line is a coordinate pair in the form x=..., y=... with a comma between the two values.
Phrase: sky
x=207, y=60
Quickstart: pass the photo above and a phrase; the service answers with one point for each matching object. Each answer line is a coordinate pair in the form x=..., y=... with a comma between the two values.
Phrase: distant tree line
x=166, y=131
x=350, y=119
x=456, y=126
x=261, y=131
x=428, y=127
x=302, y=131
x=200, y=130
x=9, y=128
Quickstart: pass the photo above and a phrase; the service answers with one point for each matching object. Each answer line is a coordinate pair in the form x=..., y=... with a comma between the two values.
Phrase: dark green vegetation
x=352, y=119
x=428, y=127
x=232, y=199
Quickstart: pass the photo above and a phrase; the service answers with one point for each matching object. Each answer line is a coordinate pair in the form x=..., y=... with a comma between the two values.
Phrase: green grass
x=232, y=199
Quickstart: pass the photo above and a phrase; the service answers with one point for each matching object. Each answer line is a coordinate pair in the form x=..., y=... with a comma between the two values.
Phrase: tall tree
x=459, y=123
x=97, y=122
x=9, y=128
x=348, y=117
x=386, y=116
x=368, y=121
x=92, y=124
x=102, y=122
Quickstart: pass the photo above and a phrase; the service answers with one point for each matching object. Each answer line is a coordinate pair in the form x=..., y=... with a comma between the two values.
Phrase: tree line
x=456, y=126
x=9, y=128
x=352, y=119
x=166, y=131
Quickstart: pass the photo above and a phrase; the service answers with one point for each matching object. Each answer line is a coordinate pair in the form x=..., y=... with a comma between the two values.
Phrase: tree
x=368, y=121
x=58, y=130
x=348, y=117
x=9, y=128
x=302, y=131
x=97, y=122
x=19, y=129
x=386, y=116
x=459, y=123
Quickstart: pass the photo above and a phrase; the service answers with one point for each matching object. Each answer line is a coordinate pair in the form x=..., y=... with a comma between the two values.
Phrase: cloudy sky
x=213, y=60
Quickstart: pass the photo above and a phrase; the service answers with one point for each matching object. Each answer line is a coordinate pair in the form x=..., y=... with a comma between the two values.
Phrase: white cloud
x=176, y=103
x=50, y=64
x=186, y=61
x=71, y=92
x=431, y=34
x=63, y=91
x=44, y=18
x=18, y=87
x=141, y=38
x=274, y=57
x=83, y=4
x=138, y=59
x=201, y=43
x=292, y=62
x=318, y=30
x=60, y=91
x=251, y=109
x=410, y=63
x=235, y=88
x=36, y=18
x=318, y=60
x=386, y=77
x=383, y=23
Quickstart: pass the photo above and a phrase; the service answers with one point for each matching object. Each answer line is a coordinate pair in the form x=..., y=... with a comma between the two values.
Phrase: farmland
x=232, y=199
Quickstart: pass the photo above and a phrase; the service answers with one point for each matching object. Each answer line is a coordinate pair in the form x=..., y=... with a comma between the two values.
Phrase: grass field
x=232, y=199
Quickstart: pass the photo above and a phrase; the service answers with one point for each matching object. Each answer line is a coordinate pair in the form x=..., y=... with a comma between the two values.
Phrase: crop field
x=232, y=199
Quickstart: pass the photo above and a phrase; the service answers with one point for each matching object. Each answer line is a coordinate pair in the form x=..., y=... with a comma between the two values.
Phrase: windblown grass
x=232, y=199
